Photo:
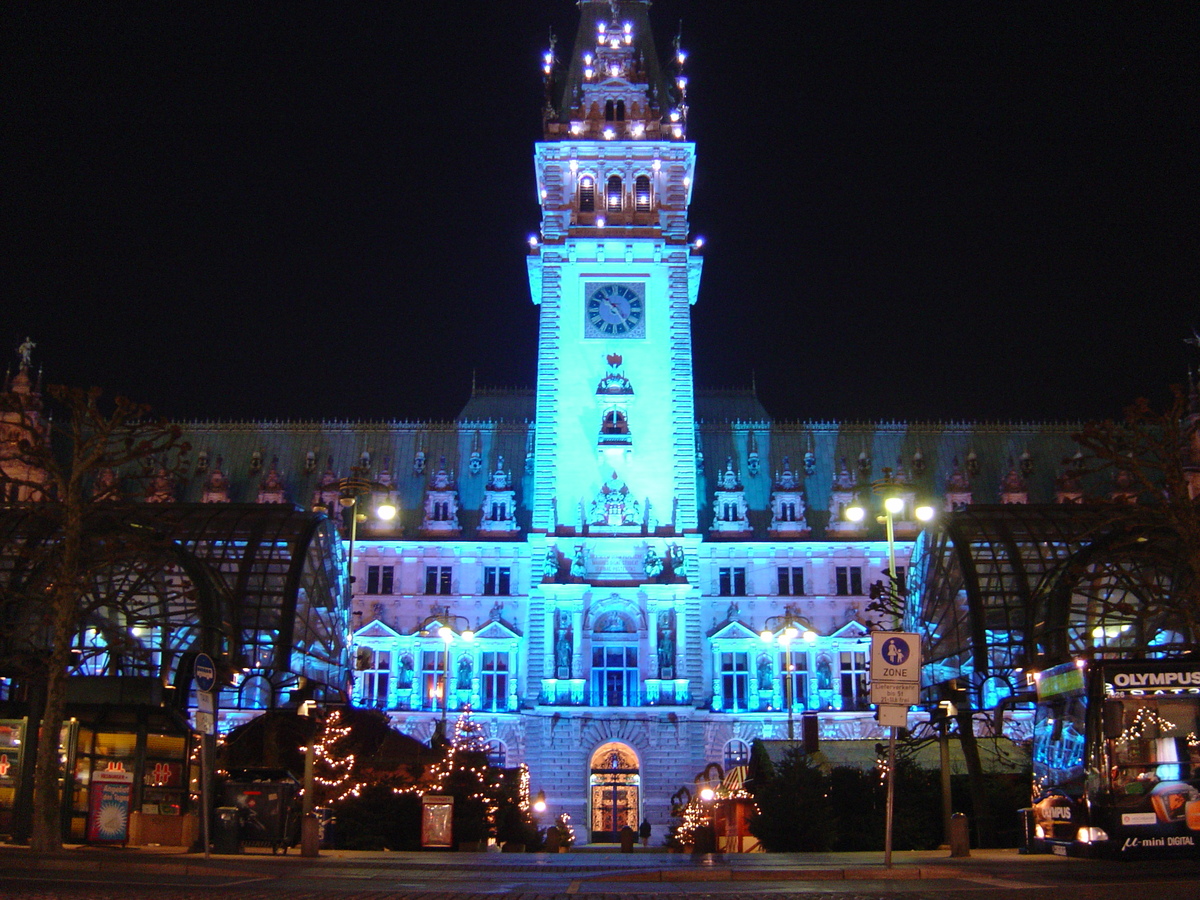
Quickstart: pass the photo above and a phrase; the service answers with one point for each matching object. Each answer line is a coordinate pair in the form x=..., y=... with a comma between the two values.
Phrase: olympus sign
x=1156, y=679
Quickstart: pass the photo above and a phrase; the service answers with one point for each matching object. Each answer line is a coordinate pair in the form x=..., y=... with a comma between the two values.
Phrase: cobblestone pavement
x=42, y=891
x=88, y=874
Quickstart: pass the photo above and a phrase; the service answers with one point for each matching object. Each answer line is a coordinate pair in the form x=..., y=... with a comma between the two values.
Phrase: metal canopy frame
x=1003, y=588
x=261, y=587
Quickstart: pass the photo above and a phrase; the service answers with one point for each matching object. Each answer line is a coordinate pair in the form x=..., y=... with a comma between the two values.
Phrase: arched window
x=620, y=110
x=608, y=111
x=614, y=422
x=641, y=193
x=587, y=194
x=613, y=193
x=497, y=753
x=737, y=753
x=255, y=693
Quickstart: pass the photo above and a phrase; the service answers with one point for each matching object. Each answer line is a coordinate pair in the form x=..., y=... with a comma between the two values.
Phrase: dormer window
x=641, y=193
x=587, y=194
x=613, y=193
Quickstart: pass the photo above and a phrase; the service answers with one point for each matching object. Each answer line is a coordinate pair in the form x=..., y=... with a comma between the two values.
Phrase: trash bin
x=960, y=835
x=226, y=836
x=1028, y=835
x=326, y=820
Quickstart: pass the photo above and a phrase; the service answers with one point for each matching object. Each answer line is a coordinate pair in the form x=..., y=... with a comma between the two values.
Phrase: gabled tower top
x=613, y=86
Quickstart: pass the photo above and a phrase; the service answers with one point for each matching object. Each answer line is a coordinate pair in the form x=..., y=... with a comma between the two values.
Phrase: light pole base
x=310, y=836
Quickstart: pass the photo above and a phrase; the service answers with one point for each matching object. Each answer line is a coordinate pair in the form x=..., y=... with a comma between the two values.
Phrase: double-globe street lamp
x=891, y=492
x=445, y=630
x=785, y=629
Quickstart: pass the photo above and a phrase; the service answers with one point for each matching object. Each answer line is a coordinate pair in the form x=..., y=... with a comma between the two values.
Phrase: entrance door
x=615, y=792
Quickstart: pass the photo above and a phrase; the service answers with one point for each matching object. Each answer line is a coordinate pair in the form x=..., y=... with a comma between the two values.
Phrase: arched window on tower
x=608, y=111
x=641, y=193
x=613, y=193
x=614, y=422
x=587, y=194
x=620, y=110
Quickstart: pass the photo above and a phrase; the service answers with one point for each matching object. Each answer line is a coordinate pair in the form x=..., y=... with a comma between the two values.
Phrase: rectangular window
x=735, y=681
x=732, y=581
x=855, y=694
x=437, y=579
x=432, y=678
x=375, y=677
x=614, y=676
x=379, y=579
x=494, y=669
x=497, y=581
x=794, y=667
x=849, y=581
x=791, y=581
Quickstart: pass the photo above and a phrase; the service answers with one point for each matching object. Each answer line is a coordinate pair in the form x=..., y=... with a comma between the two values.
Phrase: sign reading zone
x=895, y=657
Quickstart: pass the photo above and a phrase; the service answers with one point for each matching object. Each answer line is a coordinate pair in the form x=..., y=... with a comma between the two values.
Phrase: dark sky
x=912, y=210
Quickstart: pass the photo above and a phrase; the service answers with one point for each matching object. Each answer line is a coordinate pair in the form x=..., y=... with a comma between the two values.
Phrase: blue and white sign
x=895, y=657
x=895, y=668
x=205, y=673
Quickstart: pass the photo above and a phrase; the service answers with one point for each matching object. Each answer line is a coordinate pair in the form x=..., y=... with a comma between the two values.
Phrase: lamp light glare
x=446, y=633
x=468, y=635
x=894, y=505
x=810, y=636
x=707, y=794
x=766, y=635
x=855, y=513
x=386, y=510
x=924, y=513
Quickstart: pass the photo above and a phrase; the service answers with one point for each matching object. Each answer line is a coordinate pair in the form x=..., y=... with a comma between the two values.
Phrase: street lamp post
x=893, y=505
x=350, y=490
x=788, y=628
x=446, y=632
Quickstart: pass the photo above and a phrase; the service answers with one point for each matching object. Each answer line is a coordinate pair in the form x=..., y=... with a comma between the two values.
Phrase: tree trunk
x=984, y=827
x=46, y=836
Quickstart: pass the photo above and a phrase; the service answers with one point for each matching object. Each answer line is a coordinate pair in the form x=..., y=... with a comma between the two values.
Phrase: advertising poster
x=437, y=817
x=108, y=806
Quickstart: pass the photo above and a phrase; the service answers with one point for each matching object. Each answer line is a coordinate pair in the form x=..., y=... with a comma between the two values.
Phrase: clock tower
x=615, y=277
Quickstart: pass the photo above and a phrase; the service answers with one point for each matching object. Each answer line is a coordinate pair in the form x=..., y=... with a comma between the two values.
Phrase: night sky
x=911, y=210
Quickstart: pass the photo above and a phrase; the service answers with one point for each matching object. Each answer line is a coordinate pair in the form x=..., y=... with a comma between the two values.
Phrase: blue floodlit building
x=605, y=569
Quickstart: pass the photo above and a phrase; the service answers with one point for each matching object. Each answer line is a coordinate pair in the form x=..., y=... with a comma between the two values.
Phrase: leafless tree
x=56, y=476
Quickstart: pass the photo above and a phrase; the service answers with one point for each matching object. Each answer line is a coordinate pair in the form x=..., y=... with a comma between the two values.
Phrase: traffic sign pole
x=204, y=676
x=895, y=685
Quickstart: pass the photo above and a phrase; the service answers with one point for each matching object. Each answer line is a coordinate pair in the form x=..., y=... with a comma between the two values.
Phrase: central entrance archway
x=615, y=792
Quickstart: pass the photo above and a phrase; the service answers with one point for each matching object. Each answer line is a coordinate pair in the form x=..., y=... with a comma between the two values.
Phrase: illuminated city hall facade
x=625, y=579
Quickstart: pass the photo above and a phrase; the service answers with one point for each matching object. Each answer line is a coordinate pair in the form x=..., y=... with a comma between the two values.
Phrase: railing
x=632, y=699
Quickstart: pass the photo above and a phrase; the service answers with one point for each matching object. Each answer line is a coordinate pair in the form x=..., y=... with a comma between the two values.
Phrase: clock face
x=615, y=311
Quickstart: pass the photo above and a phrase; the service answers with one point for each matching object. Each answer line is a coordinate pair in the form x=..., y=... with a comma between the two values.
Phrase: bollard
x=960, y=835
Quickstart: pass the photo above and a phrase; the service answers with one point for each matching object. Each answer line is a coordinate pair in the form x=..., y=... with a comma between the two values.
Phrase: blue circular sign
x=205, y=673
x=895, y=651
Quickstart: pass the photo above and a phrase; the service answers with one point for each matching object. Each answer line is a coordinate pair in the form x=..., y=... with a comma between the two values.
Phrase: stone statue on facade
x=652, y=564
